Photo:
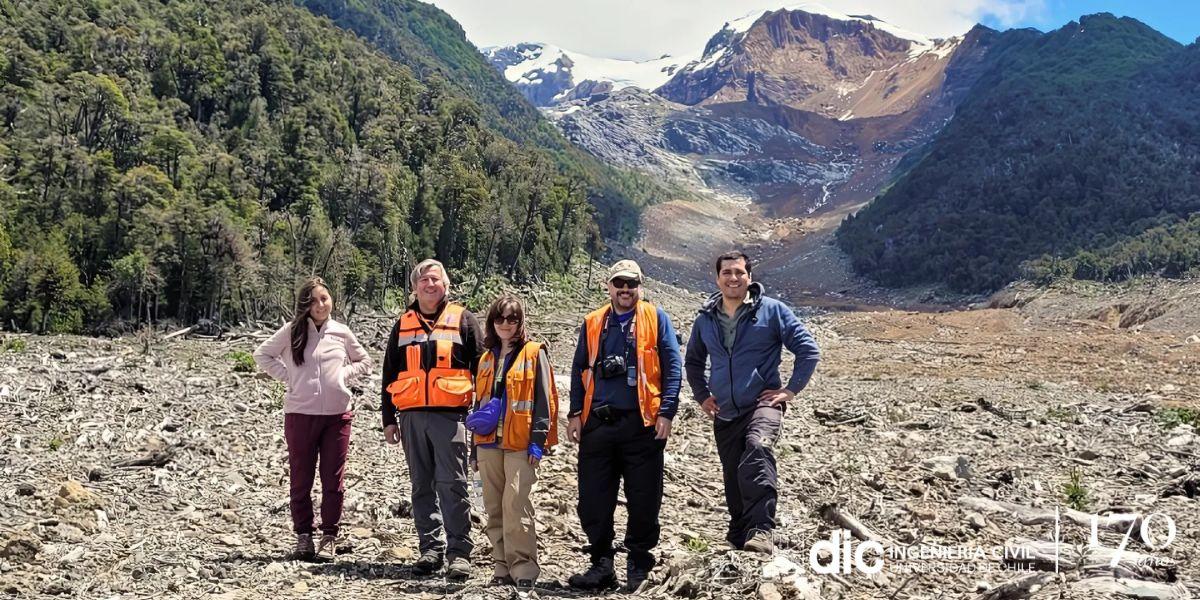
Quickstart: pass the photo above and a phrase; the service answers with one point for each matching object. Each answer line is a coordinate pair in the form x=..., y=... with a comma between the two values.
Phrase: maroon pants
x=309, y=437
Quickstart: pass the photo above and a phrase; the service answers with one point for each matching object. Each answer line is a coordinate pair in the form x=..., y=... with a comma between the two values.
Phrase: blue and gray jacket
x=737, y=378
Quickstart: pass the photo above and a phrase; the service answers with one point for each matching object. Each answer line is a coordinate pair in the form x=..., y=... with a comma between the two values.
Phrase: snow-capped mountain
x=548, y=75
x=806, y=56
x=802, y=108
x=812, y=58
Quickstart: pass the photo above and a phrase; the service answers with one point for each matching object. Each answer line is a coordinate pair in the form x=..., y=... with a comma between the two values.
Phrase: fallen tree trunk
x=155, y=459
x=175, y=334
x=836, y=516
x=1133, y=588
x=1028, y=515
x=1021, y=587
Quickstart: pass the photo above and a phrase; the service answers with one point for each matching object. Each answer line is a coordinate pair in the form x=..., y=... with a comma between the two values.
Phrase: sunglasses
x=510, y=319
x=629, y=284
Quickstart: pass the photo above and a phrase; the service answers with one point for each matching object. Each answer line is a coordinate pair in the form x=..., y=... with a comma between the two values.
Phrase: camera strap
x=626, y=333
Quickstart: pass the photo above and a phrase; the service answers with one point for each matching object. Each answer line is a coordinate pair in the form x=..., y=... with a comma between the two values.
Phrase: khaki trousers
x=508, y=481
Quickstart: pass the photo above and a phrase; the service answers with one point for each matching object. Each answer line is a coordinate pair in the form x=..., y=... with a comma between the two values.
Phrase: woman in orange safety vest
x=514, y=425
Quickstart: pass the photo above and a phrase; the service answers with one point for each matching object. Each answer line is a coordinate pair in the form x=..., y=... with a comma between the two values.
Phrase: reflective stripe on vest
x=442, y=385
x=645, y=325
x=520, y=387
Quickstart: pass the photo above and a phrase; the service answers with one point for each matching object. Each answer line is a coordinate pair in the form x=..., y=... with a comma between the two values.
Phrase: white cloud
x=641, y=29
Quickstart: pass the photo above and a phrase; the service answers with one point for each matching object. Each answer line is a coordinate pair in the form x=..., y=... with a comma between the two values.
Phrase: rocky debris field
x=957, y=442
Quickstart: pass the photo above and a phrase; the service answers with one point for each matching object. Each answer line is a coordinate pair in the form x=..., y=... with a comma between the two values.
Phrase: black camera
x=612, y=366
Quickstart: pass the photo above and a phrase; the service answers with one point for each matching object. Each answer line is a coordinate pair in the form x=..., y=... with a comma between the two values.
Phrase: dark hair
x=304, y=300
x=506, y=302
x=733, y=255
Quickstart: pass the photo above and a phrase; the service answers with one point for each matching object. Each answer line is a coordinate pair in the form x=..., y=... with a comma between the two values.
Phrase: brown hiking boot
x=328, y=545
x=458, y=568
x=760, y=541
x=304, y=546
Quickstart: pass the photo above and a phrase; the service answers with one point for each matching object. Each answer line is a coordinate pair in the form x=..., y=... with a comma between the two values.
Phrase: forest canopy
x=1077, y=153
x=191, y=160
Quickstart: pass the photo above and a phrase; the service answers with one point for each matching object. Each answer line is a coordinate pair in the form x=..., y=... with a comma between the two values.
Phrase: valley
x=166, y=476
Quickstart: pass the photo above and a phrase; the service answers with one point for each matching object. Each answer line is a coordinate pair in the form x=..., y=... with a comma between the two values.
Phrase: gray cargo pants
x=435, y=447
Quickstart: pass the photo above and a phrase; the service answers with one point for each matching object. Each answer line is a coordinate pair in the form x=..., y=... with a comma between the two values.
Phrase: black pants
x=748, y=468
x=623, y=448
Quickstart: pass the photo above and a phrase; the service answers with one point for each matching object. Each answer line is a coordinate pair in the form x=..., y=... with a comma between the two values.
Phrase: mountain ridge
x=1057, y=150
x=914, y=92
x=547, y=74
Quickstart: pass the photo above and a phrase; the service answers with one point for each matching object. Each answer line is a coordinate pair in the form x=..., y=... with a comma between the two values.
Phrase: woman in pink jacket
x=316, y=357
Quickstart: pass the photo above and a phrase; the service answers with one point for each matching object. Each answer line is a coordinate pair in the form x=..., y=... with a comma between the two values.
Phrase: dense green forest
x=187, y=160
x=1169, y=250
x=1077, y=153
x=434, y=45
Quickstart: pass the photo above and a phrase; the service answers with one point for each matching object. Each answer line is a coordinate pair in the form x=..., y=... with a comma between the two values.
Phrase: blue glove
x=535, y=450
x=484, y=420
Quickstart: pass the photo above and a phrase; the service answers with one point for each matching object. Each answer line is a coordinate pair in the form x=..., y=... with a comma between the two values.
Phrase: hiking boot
x=458, y=569
x=429, y=563
x=760, y=541
x=304, y=546
x=502, y=580
x=524, y=585
x=328, y=545
x=634, y=576
x=598, y=577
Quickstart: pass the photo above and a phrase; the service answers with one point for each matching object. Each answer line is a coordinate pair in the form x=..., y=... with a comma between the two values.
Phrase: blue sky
x=1179, y=19
x=644, y=29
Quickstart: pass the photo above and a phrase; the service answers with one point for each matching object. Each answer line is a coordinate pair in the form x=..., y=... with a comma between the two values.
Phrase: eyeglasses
x=510, y=319
x=629, y=284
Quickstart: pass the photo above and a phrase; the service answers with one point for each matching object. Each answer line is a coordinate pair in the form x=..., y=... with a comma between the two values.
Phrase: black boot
x=598, y=577
x=634, y=576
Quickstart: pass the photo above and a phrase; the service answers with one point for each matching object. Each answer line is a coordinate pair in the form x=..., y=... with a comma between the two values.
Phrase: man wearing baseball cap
x=625, y=381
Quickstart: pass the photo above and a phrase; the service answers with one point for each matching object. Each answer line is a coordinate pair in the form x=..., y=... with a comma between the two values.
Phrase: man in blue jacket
x=741, y=333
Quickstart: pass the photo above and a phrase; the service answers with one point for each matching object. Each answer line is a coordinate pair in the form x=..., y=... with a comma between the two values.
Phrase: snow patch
x=547, y=58
x=821, y=9
x=945, y=48
x=537, y=58
x=743, y=24
x=845, y=88
x=920, y=43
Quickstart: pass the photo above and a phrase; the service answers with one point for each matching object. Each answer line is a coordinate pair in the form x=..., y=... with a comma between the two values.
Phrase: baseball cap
x=625, y=269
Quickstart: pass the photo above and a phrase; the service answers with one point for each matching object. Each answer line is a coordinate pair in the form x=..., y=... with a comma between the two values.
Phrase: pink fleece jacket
x=332, y=358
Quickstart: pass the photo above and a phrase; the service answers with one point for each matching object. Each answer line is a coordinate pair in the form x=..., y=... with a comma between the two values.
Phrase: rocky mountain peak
x=805, y=57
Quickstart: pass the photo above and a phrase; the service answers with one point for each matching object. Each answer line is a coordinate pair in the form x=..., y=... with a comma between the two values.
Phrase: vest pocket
x=517, y=426
x=519, y=385
x=408, y=390
x=450, y=389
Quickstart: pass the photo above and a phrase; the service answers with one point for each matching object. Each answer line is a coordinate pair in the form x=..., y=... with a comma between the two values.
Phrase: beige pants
x=508, y=480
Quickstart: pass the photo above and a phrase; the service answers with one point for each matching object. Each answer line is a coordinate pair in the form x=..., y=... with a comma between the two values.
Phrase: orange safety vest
x=443, y=385
x=519, y=385
x=649, y=368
